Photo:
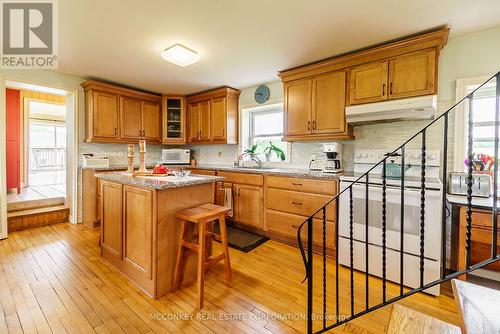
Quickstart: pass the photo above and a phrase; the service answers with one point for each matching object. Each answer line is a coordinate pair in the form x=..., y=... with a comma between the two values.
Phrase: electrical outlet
x=312, y=158
x=220, y=154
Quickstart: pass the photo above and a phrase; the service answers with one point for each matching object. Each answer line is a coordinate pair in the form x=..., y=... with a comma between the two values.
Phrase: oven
x=432, y=235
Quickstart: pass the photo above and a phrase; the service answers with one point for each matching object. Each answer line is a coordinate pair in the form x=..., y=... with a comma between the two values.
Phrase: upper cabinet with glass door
x=174, y=119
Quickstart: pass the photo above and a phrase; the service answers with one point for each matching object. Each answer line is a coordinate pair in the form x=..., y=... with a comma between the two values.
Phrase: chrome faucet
x=256, y=159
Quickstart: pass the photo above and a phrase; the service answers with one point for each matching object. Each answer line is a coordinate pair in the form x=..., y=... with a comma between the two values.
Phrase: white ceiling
x=241, y=42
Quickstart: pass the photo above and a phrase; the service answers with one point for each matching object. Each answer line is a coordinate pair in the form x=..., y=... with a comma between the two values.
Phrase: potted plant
x=273, y=148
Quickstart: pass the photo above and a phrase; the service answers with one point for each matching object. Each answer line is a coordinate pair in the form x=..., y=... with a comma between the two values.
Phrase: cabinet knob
x=297, y=203
x=296, y=184
x=115, y=132
x=383, y=89
x=314, y=125
x=308, y=125
x=390, y=88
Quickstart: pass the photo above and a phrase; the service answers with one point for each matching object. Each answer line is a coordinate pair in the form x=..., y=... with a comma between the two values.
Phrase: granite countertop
x=477, y=202
x=295, y=172
x=158, y=182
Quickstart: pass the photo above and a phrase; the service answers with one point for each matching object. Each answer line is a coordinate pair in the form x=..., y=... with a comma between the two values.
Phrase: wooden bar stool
x=202, y=215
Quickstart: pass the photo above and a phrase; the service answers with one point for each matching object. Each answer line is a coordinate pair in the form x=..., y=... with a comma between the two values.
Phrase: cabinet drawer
x=327, y=187
x=242, y=178
x=202, y=171
x=483, y=220
x=299, y=203
x=287, y=225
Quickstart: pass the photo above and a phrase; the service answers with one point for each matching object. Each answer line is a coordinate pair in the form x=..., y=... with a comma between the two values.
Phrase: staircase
x=28, y=214
x=331, y=302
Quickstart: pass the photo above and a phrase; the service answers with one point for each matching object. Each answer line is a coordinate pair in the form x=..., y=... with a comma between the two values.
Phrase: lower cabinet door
x=249, y=205
x=111, y=219
x=138, y=236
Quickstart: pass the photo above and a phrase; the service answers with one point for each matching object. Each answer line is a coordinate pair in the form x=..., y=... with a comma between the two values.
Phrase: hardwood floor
x=52, y=279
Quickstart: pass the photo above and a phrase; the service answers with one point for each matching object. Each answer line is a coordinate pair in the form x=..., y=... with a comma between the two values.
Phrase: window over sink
x=265, y=127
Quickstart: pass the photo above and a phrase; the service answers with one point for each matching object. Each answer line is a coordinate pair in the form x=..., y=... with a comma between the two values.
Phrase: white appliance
x=364, y=160
x=91, y=161
x=333, y=162
x=175, y=156
x=422, y=107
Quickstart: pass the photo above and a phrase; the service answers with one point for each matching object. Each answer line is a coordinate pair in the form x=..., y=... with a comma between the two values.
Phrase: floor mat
x=240, y=239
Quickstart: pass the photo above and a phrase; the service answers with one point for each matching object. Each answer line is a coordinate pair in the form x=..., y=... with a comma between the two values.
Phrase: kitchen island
x=139, y=231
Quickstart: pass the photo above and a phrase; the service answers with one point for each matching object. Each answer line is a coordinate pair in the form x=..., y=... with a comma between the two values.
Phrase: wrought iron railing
x=329, y=296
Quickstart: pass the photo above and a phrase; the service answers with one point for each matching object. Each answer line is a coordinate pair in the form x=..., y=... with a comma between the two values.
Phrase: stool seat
x=205, y=212
x=202, y=215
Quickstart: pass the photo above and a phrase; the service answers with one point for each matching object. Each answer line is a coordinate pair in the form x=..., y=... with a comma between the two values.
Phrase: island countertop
x=158, y=182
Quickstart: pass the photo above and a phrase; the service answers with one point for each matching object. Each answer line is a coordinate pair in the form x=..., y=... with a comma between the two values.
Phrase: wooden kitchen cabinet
x=218, y=118
x=115, y=114
x=139, y=120
x=298, y=107
x=205, y=120
x=315, y=108
x=413, y=74
x=249, y=205
x=151, y=121
x=111, y=213
x=174, y=119
x=315, y=95
x=194, y=121
x=213, y=116
x=104, y=121
x=131, y=119
x=368, y=83
x=328, y=103
x=138, y=230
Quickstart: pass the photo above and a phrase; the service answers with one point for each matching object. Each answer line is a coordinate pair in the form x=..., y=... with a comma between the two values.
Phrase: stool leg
x=225, y=249
x=202, y=238
x=178, y=265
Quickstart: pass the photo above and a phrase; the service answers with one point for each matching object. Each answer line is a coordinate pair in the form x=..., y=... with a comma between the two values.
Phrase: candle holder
x=130, y=157
x=142, y=153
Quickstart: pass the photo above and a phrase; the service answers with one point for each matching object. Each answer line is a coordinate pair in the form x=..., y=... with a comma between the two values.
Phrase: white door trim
x=3, y=163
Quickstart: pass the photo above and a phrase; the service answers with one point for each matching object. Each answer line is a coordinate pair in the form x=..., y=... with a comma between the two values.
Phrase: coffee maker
x=333, y=153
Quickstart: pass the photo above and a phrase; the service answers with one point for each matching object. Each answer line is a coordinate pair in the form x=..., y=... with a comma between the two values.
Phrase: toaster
x=481, y=184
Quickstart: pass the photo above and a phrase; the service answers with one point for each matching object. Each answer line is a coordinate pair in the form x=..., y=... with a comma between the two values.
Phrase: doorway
x=37, y=136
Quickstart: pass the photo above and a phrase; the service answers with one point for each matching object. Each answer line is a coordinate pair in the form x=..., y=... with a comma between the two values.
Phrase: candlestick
x=142, y=152
x=130, y=157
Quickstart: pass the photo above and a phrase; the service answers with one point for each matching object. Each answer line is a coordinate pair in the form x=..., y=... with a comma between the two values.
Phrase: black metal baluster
x=309, y=275
x=337, y=311
x=445, y=186
x=402, y=228
x=351, y=250
x=366, y=240
x=384, y=225
x=422, y=208
x=324, y=266
x=468, y=226
x=495, y=173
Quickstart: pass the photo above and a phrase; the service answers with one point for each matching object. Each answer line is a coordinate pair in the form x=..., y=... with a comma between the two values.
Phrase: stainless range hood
x=422, y=107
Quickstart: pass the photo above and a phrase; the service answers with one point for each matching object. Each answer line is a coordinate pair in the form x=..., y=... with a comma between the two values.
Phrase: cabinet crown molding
x=434, y=39
x=212, y=93
x=102, y=86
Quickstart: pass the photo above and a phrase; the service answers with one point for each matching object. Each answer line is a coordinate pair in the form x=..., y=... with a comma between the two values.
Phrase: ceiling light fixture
x=180, y=55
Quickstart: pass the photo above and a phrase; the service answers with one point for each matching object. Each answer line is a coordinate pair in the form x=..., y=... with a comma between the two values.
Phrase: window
x=47, y=145
x=266, y=126
x=483, y=128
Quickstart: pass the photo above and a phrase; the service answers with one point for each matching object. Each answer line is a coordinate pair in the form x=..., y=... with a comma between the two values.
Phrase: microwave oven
x=175, y=156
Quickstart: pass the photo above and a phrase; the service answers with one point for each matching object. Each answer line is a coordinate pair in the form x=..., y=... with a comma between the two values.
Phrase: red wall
x=13, y=116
